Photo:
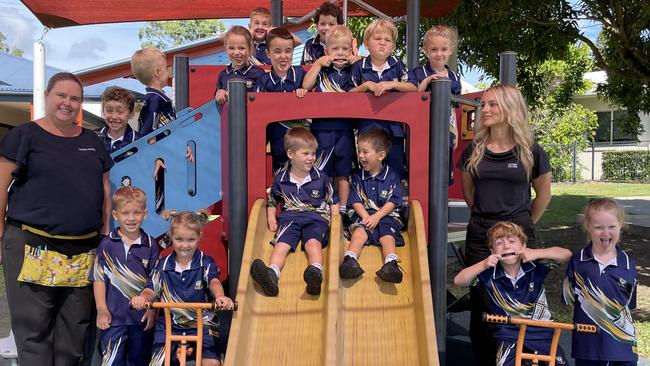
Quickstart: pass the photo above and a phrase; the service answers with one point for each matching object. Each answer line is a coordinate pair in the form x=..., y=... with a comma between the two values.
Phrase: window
x=609, y=131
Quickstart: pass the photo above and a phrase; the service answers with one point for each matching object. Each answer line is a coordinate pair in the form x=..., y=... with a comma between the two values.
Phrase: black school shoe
x=350, y=268
x=265, y=276
x=390, y=272
x=313, y=278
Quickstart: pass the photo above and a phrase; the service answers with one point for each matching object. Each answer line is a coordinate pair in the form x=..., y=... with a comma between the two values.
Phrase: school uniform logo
x=531, y=287
x=145, y=262
x=315, y=193
x=198, y=285
x=384, y=193
x=249, y=84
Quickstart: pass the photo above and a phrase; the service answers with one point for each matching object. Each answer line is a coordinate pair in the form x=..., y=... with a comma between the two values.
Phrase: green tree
x=165, y=34
x=4, y=47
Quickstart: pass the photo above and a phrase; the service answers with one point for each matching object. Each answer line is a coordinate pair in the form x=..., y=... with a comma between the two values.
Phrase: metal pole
x=237, y=178
x=438, y=215
x=38, y=89
x=276, y=13
x=345, y=12
x=575, y=158
x=593, y=157
x=412, y=33
x=508, y=68
x=181, y=82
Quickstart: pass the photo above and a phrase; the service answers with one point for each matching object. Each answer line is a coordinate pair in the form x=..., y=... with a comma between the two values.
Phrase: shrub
x=626, y=165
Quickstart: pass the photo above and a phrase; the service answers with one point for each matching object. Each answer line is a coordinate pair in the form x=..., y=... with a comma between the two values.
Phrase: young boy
x=376, y=193
x=118, y=105
x=379, y=73
x=439, y=42
x=305, y=195
x=513, y=277
x=282, y=78
x=335, y=137
x=149, y=66
x=326, y=16
x=125, y=259
x=259, y=25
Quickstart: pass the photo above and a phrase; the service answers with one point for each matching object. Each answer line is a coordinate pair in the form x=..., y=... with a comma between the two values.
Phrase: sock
x=275, y=269
x=390, y=257
x=350, y=253
x=318, y=266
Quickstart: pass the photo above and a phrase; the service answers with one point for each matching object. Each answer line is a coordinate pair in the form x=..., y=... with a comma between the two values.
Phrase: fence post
x=593, y=159
x=575, y=157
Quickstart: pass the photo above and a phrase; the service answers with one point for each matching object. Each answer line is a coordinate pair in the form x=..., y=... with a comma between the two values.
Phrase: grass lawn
x=558, y=227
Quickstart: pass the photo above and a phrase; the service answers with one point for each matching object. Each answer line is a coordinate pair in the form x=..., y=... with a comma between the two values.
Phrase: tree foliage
x=5, y=47
x=165, y=34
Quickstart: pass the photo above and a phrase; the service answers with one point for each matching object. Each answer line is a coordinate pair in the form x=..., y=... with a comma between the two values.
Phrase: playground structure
x=230, y=174
x=524, y=323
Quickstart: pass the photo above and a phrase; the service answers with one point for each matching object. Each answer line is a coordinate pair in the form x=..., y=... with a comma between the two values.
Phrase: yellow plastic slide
x=353, y=322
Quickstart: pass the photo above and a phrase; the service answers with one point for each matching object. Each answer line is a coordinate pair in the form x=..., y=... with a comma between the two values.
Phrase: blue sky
x=81, y=47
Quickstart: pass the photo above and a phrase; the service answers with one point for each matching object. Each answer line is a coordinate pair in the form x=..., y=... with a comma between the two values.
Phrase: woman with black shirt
x=499, y=167
x=58, y=204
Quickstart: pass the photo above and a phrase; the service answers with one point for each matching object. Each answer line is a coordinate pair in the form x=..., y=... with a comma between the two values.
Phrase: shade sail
x=55, y=14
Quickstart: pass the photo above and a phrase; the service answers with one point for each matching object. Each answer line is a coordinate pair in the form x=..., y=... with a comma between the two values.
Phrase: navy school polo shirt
x=260, y=57
x=271, y=82
x=420, y=73
x=501, y=187
x=124, y=273
x=525, y=299
x=251, y=74
x=603, y=299
x=157, y=111
x=373, y=192
x=313, y=50
x=333, y=80
x=362, y=71
x=114, y=145
x=311, y=199
x=191, y=285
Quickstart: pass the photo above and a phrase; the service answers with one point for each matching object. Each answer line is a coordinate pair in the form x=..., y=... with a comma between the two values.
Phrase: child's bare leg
x=390, y=271
x=343, y=186
x=210, y=362
x=313, y=274
x=350, y=267
x=279, y=255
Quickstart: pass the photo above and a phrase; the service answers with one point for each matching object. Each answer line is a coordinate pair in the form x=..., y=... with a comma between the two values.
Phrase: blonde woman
x=499, y=168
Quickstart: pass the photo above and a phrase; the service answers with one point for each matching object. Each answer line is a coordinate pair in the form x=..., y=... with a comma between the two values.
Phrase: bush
x=626, y=165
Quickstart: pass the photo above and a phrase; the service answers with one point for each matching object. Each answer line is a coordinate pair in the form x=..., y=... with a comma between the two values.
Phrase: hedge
x=626, y=165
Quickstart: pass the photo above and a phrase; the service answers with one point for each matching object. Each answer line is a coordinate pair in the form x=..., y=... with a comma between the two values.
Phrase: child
x=376, y=193
x=304, y=193
x=439, y=42
x=379, y=73
x=259, y=25
x=601, y=284
x=185, y=275
x=513, y=277
x=149, y=66
x=125, y=259
x=118, y=105
x=326, y=16
x=282, y=78
x=239, y=45
x=335, y=137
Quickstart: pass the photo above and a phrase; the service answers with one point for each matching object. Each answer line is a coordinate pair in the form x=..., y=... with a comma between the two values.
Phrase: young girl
x=185, y=275
x=601, y=284
x=239, y=46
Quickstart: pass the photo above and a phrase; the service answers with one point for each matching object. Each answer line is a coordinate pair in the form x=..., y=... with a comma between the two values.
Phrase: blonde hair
x=602, y=204
x=194, y=221
x=144, y=62
x=504, y=229
x=128, y=194
x=261, y=11
x=443, y=31
x=380, y=25
x=339, y=31
x=238, y=30
x=515, y=113
x=299, y=137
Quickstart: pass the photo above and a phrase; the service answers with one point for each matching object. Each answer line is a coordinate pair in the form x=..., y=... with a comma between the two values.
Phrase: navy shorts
x=583, y=362
x=209, y=350
x=336, y=152
x=506, y=351
x=292, y=230
x=387, y=226
x=126, y=345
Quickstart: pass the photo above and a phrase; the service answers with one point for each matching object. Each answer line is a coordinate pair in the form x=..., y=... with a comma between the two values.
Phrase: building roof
x=596, y=77
x=17, y=75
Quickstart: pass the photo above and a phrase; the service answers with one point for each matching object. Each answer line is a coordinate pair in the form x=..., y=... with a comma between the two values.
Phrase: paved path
x=638, y=213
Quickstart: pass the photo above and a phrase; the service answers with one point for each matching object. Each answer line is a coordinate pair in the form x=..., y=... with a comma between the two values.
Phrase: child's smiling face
x=238, y=50
x=438, y=49
x=116, y=115
x=259, y=25
x=604, y=229
x=325, y=22
x=369, y=158
x=185, y=241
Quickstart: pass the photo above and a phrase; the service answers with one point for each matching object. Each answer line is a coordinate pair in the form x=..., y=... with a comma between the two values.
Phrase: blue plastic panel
x=187, y=185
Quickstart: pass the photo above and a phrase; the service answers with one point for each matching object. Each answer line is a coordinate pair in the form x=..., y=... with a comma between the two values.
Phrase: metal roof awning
x=55, y=14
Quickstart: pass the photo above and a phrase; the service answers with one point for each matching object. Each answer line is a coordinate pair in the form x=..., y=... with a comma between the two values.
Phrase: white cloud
x=91, y=48
x=19, y=28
